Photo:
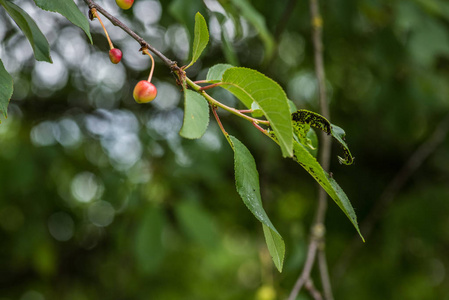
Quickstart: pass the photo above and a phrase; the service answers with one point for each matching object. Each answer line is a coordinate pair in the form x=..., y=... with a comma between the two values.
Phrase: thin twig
x=324, y=273
x=317, y=32
x=172, y=64
x=324, y=160
x=410, y=167
x=211, y=86
x=217, y=118
x=312, y=290
x=264, y=131
x=202, y=81
x=305, y=274
x=144, y=44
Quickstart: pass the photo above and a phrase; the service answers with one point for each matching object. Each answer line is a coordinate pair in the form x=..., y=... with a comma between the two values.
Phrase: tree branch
x=170, y=63
x=313, y=291
x=324, y=273
x=324, y=159
x=317, y=25
x=144, y=44
x=305, y=274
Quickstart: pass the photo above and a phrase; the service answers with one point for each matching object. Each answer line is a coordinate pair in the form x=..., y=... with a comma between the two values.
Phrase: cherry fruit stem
x=96, y=15
x=152, y=63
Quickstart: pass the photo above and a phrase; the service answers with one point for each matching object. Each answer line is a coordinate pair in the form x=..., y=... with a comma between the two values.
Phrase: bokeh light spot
x=85, y=187
x=148, y=12
x=178, y=39
x=61, y=226
x=101, y=213
x=42, y=134
x=303, y=87
x=69, y=134
x=168, y=96
x=50, y=76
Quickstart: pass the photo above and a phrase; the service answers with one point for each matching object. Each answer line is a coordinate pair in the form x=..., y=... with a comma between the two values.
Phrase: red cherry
x=144, y=92
x=115, y=55
x=124, y=4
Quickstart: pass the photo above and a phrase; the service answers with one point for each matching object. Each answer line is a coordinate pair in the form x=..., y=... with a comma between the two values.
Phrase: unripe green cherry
x=124, y=4
x=144, y=92
x=115, y=55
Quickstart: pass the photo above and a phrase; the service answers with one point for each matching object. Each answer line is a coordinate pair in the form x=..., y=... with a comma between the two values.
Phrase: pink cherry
x=115, y=55
x=124, y=4
x=144, y=92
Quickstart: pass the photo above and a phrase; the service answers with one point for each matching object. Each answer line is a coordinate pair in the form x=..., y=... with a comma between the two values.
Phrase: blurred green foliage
x=101, y=199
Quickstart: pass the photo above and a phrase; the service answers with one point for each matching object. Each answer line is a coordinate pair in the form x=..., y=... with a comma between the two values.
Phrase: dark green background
x=101, y=199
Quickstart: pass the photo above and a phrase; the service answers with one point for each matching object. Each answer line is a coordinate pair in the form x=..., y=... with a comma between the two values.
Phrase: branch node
x=317, y=22
x=179, y=74
x=318, y=231
x=91, y=5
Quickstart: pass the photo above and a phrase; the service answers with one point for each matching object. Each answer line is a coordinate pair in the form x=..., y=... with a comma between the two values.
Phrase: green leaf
x=257, y=112
x=215, y=73
x=37, y=40
x=258, y=21
x=200, y=38
x=308, y=162
x=247, y=184
x=197, y=223
x=307, y=137
x=196, y=115
x=68, y=9
x=292, y=106
x=315, y=120
x=148, y=248
x=339, y=134
x=6, y=89
x=312, y=142
x=251, y=86
x=275, y=245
